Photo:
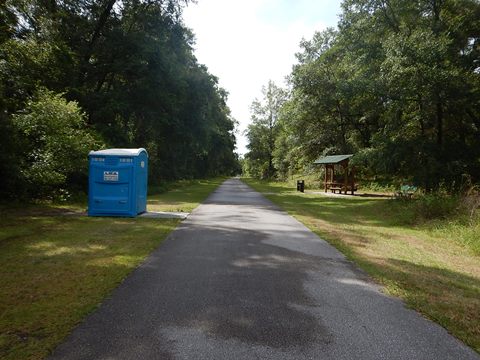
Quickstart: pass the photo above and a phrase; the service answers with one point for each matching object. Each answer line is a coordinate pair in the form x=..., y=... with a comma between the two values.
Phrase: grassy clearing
x=434, y=265
x=56, y=265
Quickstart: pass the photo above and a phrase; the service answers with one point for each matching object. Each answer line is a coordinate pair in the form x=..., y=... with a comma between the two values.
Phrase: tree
x=264, y=130
x=55, y=142
x=130, y=67
x=397, y=83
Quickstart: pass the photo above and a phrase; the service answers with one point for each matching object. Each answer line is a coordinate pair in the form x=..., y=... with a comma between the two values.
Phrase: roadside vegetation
x=77, y=76
x=57, y=265
x=396, y=83
x=425, y=251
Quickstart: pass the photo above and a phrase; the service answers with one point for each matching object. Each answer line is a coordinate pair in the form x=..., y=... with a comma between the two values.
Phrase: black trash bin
x=301, y=185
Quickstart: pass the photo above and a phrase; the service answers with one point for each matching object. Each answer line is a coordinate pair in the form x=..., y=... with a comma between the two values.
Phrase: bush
x=470, y=202
x=385, y=186
x=436, y=206
x=426, y=207
x=441, y=205
x=55, y=142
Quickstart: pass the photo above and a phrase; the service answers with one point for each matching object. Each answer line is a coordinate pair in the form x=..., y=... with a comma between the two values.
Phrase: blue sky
x=246, y=43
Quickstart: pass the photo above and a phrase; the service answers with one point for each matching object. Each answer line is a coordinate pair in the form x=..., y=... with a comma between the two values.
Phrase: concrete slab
x=164, y=215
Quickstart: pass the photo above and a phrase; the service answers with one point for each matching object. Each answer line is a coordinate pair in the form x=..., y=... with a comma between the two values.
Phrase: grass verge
x=433, y=266
x=182, y=196
x=57, y=265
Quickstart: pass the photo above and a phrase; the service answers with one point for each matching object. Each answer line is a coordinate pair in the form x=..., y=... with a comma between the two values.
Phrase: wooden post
x=353, y=179
x=345, y=175
x=333, y=174
x=326, y=176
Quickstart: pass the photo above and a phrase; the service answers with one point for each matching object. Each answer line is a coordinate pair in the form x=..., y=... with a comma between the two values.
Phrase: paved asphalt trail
x=241, y=279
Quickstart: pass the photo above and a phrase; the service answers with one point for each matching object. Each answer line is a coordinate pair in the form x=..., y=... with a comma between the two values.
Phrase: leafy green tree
x=288, y=154
x=130, y=67
x=398, y=83
x=55, y=143
x=264, y=130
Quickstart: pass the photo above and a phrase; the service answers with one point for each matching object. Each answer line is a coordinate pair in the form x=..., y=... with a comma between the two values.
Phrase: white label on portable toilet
x=110, y=176
x=142, y=164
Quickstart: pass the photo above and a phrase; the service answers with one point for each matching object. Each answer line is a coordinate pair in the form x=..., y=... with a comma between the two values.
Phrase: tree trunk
x=439, y=113
x=100, y=25
x=95, y=36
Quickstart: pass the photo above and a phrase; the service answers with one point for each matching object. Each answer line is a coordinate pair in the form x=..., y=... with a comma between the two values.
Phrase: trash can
x=301, y=185
x=117, y=184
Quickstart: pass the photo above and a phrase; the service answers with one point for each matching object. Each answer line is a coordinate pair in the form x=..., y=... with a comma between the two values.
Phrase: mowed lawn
x=434, y=266
x=183, y=196
x=57, y=265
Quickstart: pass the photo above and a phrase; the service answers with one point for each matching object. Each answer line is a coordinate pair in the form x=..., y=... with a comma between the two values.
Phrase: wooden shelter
x=338, y=182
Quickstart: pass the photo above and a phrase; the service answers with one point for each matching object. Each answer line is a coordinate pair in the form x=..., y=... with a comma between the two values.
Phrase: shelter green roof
x=333, y=159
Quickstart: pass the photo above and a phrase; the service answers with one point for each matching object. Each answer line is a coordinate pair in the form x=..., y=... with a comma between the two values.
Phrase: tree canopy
x=398, y=84
x=130, y=69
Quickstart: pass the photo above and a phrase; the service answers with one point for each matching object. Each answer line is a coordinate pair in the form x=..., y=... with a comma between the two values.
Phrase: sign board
x=110, y=176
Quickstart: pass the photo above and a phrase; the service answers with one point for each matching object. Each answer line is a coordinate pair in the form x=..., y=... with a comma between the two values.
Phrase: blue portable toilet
x=117, y=184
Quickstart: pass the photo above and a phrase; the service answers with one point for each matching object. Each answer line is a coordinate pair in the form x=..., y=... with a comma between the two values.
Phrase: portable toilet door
x=117, y=182
x=141, y=181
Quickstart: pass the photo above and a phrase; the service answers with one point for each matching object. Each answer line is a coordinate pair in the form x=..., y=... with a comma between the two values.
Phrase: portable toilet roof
x=118, y=152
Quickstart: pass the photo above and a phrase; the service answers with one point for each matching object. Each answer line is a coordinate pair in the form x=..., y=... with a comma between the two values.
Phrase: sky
x=249, y=42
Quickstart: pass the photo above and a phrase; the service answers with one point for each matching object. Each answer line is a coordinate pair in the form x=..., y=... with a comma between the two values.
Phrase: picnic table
x=406, y=192
x=340, y=186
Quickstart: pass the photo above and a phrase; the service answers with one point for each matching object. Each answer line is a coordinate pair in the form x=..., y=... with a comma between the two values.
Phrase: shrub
x=55, y=145
x=425, y=207
x=436, y=206
x=470, y=202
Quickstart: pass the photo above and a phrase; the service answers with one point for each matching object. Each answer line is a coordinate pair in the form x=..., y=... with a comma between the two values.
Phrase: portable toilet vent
x=117, y=182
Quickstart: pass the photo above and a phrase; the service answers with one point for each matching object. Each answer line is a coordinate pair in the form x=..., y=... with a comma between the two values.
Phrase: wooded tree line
x=397, y=83
x=77, y=75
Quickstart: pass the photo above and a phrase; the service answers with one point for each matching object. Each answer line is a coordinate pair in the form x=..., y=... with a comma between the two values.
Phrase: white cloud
x=245, y=48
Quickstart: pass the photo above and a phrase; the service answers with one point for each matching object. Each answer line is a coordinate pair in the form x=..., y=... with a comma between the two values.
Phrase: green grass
x=56, y=265
x=434, y=265
x=183, y=196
